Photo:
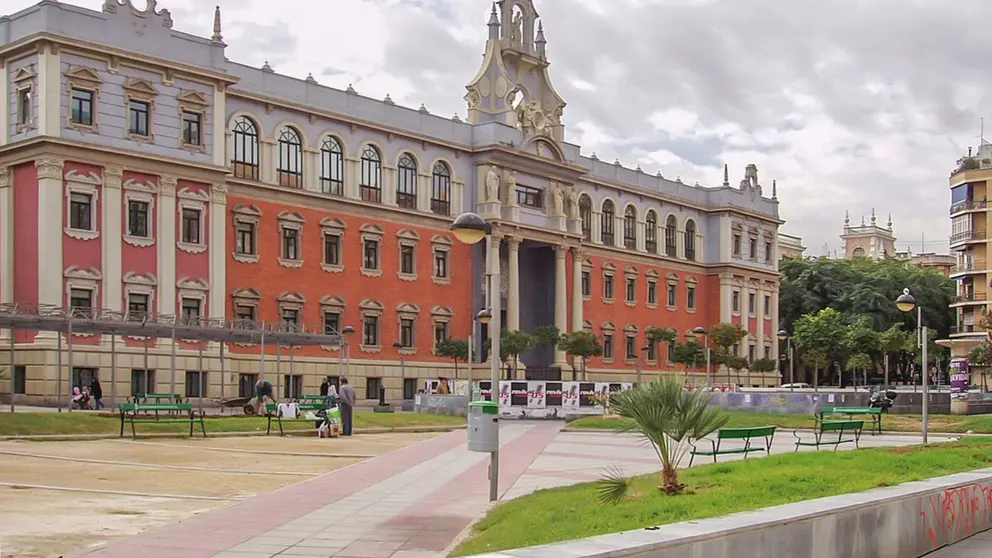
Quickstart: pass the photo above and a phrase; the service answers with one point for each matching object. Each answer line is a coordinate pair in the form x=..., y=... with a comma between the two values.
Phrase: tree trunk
x=670, y=481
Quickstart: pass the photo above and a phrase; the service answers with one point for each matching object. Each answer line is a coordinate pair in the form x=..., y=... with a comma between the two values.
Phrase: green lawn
x=712, y=490
x=979, y=424
x=89, y=423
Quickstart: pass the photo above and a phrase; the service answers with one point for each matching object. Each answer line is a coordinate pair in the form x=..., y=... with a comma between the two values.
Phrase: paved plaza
x=978, y=546
x=411, y=503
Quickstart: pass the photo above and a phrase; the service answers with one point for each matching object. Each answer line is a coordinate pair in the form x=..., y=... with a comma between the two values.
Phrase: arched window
x=332, y=167
x=671, y=229
x=406, y=182
x=245, y=159
x=608, y=218
x=370, y=187
x=690, y=240
x=859, y=252
x=651, y=232
x=290, y=169
x=630, y=228
x=441, y=189
x=585, y=213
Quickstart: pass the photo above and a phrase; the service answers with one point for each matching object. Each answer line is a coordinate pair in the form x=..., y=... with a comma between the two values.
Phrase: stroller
x=80, y=398
x=328, y=422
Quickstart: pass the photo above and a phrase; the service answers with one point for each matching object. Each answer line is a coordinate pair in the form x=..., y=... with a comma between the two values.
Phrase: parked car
x=798, y=385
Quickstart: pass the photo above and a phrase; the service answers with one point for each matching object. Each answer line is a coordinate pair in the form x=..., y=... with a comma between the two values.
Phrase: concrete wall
x=906, y=521
x=805, y=402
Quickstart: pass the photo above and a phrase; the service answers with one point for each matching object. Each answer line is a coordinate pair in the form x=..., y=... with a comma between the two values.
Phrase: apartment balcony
x=967, y=267
x=969, y=206
x=968, y=236
x=967, y=330
x=970, y=298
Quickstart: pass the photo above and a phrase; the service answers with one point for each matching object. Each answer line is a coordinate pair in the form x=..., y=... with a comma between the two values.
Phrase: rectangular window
x=196, y=384
x=752, y=249
x=81, y=302
x=735, y=301
x=750, y=353
x=690, y=297
x=80, y=211
x=652, y=352
x=768, y=306
x=143, y=381
x=608, y=287
x=652, y=292
x=530, y=197
x=191, y=225
x=672, y=295
x=137, y=121
x=440, y=333
x=406, y=260
x=137, y=219
x=631, y=289
x=292, y=386
x=441, y=264
x=137, y=306
x=20, y=379
x=244, y=312
x=372, y=388
x=631, y=347
x=370, y=331
x=607, y=346
x=586, y=283
x=192, y=128
x=81, y=107
x=332, y=323
x=768, y=251
x=245, y=232
x=371, y=259
x=332, y=249
x=24, y=108
x=246, y=385
x=751, y=303
x=768, y=352
x=407, y=332
x=737, y=244
x=192, y=310
x=409, y=388
x=671, y=352
x=291, y=319
x=291, y=244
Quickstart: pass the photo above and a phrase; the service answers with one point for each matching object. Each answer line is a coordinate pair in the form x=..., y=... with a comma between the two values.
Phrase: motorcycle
x=882, y=399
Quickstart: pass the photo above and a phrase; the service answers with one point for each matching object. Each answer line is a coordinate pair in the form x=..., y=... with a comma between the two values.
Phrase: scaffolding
x=150, y=325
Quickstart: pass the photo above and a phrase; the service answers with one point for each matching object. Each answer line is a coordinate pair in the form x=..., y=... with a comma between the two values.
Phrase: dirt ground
x=48, y=523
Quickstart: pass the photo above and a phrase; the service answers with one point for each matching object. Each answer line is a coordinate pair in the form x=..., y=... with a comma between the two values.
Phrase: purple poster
x=959, y=375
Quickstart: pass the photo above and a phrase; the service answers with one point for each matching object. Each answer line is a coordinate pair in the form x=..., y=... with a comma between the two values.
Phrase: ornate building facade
x=143, y=171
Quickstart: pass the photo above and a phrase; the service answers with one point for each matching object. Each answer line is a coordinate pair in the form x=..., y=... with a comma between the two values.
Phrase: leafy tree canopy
x=455, y=349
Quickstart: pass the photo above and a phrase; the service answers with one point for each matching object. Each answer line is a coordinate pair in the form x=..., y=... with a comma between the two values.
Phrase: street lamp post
x=907, y=303
x=706, y=341
x=470, y=228
x=347, y=332
x=484, y=316
x=783, y=336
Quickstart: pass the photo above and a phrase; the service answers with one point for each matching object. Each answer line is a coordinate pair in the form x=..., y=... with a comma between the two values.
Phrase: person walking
x=346, y=402
x=97, y=391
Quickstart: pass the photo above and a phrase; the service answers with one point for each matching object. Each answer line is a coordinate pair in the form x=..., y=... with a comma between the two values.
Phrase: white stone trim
x=440, y=315
x=406, y=311
x=587, y=267
x=140, y=192
x=407, y=238
x=369, y=308
x=250, y=215
x=290, y=221
x=608, y=329
x=196, y=200
x=441, y=244
x=84, y=280
x=292, y=301
x=89, y=185
x=85, y=79
x=135, y=283
x=331, y=226
x=609, y=270
x=372, y=232
x=332, y=305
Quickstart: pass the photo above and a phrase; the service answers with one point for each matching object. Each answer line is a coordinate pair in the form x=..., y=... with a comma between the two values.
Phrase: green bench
x=875, y=413
x=182, y=413
x=272, y=412
x=314, y=399
x=852, y=428
x=742, y=434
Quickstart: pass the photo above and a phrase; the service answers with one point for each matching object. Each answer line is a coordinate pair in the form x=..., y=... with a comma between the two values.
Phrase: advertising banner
x=586, y=392
x=553, y=394
x=570, y=396
x=536, y=395
x=960, y=376
x=504, y=395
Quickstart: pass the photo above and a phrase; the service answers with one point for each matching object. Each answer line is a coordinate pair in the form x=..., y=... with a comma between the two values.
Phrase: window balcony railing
x=964, y=329
x=967, y=236
x=969, y=205
x=970, y=297
x=965, y=267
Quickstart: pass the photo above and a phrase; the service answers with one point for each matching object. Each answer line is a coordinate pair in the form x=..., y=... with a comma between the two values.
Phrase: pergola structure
x=150, y=325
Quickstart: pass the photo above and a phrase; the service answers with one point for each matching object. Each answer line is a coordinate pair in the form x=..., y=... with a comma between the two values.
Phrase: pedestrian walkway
x=412, y=503
x=978, y=546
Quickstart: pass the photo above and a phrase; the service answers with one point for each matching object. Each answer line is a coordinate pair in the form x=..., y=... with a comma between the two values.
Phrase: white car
x=800, y=385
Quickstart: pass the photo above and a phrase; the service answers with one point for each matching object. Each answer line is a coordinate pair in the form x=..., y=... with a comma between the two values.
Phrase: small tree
x=581, y=344
x=689, y=354
x=893, y=340
x=980, y=356
x=513, y=344
x=861, y=340
x=819, y=335
x=546, y=335
x=455, y=349
x=858, y=362
x=764, y=365
x=655, y=335
x=723, y=337
x=737, y=364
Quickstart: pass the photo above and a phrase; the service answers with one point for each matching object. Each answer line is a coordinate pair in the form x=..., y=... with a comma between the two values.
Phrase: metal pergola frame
x=150, y=325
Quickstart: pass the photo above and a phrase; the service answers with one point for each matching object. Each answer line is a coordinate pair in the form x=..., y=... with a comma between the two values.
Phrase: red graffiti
x=956, y=514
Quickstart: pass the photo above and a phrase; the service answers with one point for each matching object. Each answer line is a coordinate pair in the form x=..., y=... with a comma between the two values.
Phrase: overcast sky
x=848, y=104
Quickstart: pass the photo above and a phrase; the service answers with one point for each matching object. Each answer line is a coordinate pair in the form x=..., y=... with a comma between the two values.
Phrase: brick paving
x=411, y=503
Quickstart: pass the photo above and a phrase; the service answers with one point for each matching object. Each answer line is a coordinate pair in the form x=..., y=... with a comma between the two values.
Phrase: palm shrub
x=669, y=417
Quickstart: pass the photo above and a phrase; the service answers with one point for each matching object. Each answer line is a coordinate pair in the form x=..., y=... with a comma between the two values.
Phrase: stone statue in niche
x=492, y=184
x=517, y=28
x=573, y=202
x=750, y=177
x=511, y=187
x=529, y=116
x=558, y=198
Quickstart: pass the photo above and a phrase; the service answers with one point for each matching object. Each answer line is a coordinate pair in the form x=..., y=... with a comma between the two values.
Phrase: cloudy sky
x=848, y=104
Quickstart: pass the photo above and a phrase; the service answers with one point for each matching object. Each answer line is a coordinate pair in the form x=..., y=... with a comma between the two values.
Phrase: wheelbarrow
x=243, y=402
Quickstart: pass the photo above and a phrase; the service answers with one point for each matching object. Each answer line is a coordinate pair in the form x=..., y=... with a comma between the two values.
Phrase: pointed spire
x=423, y=109
x=847, y=218
x=217, y=37
x=310, y=78
x=267, y=68
x=774, y=190
x=873, y=216
x=890, y=221
x=351, y=90
x=388, y=100
x=494, y=24
x=540, y=42
x=726, y=176
x=456, y=118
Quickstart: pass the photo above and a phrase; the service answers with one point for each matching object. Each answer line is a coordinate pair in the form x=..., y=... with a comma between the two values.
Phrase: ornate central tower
x=513, y=86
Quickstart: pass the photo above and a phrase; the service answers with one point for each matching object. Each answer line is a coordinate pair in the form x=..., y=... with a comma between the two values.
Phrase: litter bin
x=483, y=426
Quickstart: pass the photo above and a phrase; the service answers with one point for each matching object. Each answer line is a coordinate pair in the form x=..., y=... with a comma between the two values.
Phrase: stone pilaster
x=513, y=296
x=51, y=211
x=111, y=234
x=577, y=317
x=167, y=244
x=6, y=233
x=561, y=301
x=760, y=311
x=217, y=251
x=726, y=297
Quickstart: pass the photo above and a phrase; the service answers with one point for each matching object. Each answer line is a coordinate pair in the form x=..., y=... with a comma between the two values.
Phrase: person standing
x=263, y=391
x=323, y=386
x=346, y=401
x=97, y=391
